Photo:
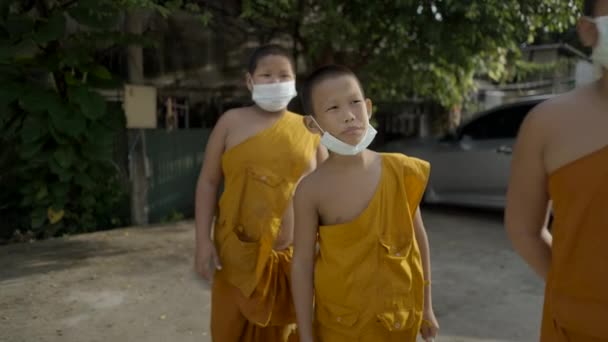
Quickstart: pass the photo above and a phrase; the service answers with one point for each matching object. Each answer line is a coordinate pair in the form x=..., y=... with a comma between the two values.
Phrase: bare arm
x=306, y=225
x=527, y=197
x=207, y=187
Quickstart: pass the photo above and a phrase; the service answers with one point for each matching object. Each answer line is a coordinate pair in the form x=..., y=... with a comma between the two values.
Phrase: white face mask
x=274, y=97
x=338, y=146
x=600, y=52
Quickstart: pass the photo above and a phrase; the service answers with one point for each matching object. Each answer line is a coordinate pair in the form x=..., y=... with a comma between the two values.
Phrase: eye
x=356, y=101
x=331, y=108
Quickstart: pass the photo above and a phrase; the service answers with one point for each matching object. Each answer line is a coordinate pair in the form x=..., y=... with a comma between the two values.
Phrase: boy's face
x=340, y=108
x=271, y=69
x=588, y=30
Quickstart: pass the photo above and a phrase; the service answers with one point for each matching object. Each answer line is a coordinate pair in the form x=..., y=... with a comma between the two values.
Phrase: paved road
x=136, y=285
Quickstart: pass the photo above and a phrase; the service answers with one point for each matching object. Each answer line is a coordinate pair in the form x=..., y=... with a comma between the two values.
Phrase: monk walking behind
x=260, y=153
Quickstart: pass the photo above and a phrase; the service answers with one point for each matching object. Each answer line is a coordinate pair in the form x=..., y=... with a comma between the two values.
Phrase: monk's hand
x=430, y=326
x=206, y=260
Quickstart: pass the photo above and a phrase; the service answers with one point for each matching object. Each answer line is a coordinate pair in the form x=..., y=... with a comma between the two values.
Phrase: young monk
x=562, y=154
x=372, y=274
x=260, y=153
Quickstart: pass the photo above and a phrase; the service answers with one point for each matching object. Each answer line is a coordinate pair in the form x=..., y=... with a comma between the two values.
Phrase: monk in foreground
x=260, y=153
x=562, y=154
x=371, y=278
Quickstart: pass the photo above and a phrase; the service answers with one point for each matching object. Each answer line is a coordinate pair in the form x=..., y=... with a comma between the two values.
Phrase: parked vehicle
x=470, y=166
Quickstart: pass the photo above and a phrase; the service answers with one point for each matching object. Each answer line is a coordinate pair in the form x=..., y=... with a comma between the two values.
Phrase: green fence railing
x=175, y=160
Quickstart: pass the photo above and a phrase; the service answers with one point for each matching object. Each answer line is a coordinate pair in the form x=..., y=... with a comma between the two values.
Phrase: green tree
x=412, y=48
x=57, y=131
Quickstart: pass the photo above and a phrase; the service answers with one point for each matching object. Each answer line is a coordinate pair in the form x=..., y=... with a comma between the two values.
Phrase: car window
x=500, y=124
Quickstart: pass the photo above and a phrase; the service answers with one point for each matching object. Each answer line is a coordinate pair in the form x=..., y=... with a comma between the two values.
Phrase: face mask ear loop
x=317, y=124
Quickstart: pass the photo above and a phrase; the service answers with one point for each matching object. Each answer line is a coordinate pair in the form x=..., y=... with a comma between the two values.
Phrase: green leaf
x=64, y=156
x=38, y=217
x=84, y=181
x=88, y=201
x=93, y=105
x=95, y=14
x=53, y=29
x=100, y=135
x=33, y=129
x=60, y=191
x=56, y=168
x=205, y=18
x=116, y=117
x=27, y=200
x=42, y=193
x=23, y=50
x=29, y=150
x=70, y=79
x=19, y=25
x=39, y=100
x=101, y=72
x=75, y=58
x=59, y=136
x=9, y=93
x=66, y=121
x=10, y=125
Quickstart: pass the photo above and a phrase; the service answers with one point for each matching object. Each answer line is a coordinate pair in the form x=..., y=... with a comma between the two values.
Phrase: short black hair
x=265, y=51
x=319, y=75
x=589, y=7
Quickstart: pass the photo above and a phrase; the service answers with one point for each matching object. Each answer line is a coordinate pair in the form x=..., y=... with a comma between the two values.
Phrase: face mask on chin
x=337, y=146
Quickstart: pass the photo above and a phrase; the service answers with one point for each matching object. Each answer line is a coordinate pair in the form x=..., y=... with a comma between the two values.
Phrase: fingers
x=425, y=332
x=204, y=269
x=201, y=270
x=216, y=260
x=428, y=331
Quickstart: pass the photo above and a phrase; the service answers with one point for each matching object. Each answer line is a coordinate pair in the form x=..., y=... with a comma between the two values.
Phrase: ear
x=249, y=81
x=588, y=32
x=368, y=104
x=311, y=125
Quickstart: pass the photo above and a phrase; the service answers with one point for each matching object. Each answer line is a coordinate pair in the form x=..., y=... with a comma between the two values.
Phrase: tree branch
x=67, y=4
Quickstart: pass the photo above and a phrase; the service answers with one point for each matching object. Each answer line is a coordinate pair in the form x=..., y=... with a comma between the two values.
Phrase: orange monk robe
x=369, y=282
x=251, y=295
x=576, y=294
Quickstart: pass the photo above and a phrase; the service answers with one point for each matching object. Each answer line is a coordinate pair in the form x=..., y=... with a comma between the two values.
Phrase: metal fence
x=175, y=159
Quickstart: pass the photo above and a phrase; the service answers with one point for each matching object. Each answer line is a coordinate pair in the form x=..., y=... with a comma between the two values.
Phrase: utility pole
x=138, y=160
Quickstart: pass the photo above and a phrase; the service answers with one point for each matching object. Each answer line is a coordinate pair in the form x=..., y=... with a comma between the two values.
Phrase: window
x=501, y=124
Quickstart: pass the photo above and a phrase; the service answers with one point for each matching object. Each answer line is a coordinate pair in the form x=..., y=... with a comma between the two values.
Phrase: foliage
x=412, y=48
x=173, y=216
x=57, y=174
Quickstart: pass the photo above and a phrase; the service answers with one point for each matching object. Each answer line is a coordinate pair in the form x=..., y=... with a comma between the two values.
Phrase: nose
x=276, y=79
x=349, y=116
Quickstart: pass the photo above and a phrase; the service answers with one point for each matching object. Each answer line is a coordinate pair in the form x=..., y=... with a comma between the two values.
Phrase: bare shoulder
x=547, y=119
x=231, y=117
x=557, y=110
x=310, y=184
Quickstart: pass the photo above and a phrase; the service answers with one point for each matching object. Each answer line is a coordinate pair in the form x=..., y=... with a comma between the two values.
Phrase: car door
x=474, y=167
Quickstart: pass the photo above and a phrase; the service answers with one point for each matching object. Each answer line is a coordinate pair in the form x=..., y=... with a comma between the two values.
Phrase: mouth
x=352, y=130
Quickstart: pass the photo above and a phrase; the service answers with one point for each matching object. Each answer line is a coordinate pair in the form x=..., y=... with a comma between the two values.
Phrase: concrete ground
x=137, y=284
